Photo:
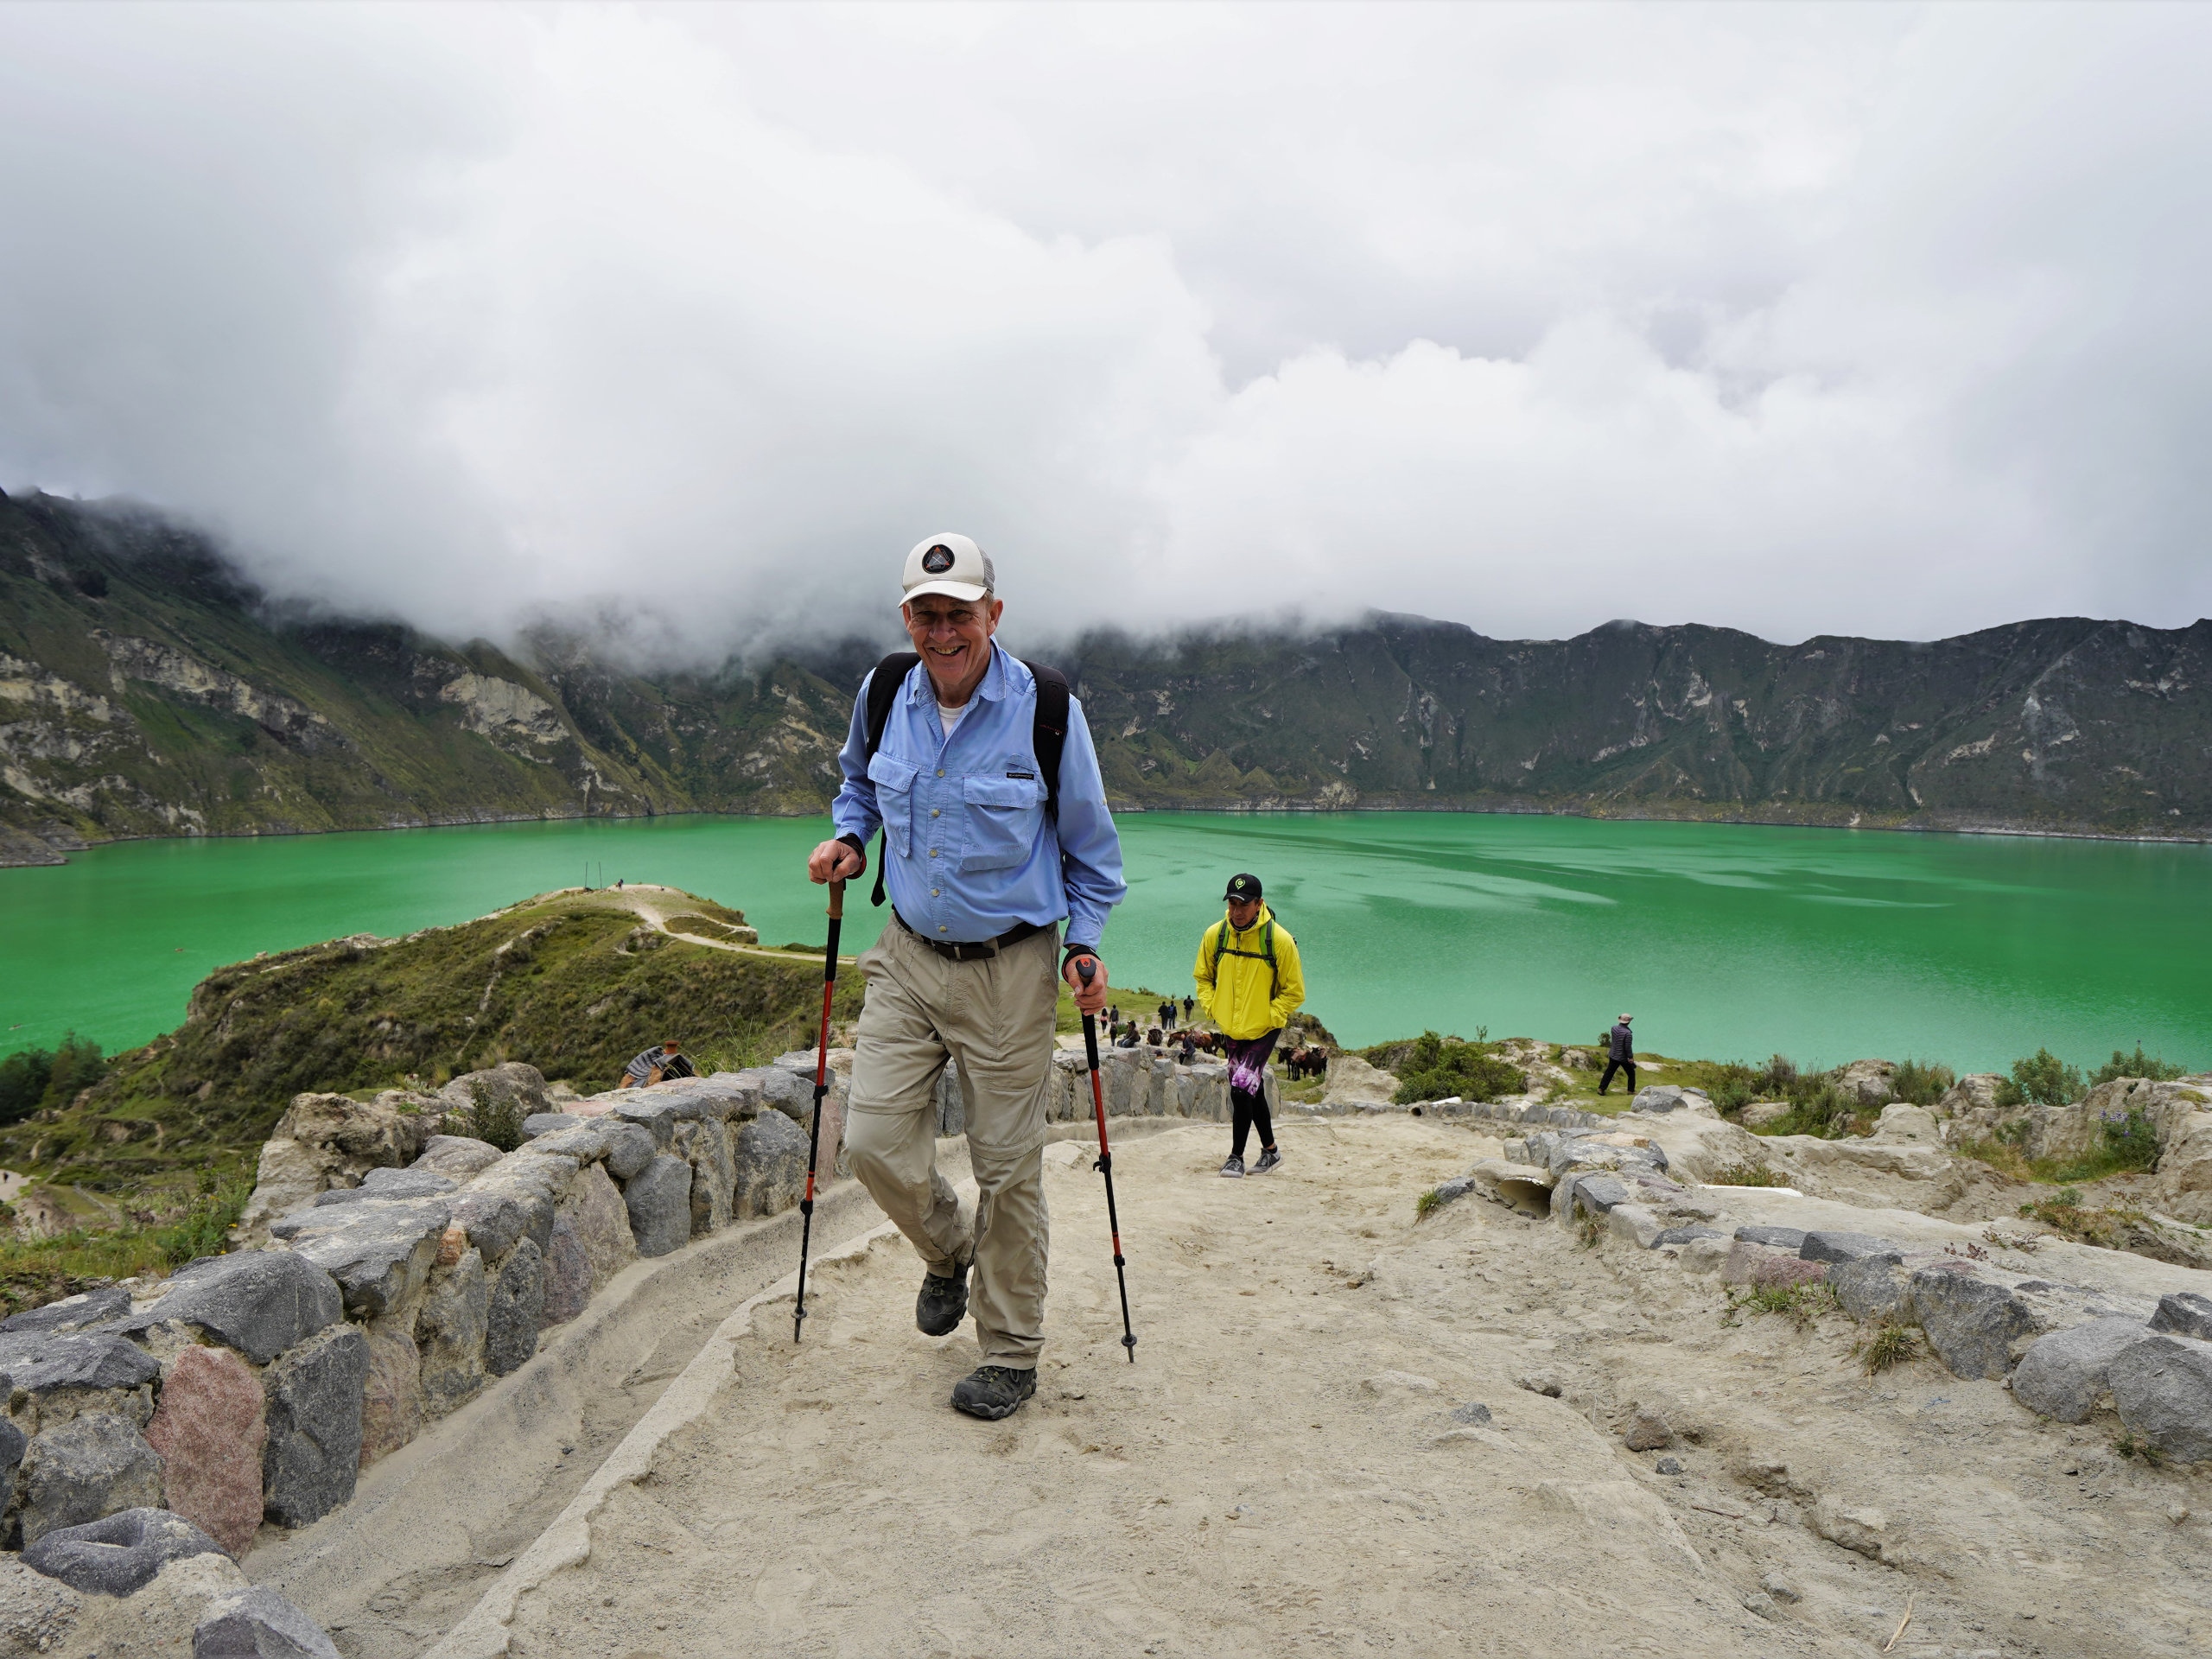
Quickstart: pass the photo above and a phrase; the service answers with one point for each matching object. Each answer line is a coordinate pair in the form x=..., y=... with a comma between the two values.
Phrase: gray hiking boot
x=942, y=1305
x=1268, y=1159
x=993, y=1391
x=1234, y=1169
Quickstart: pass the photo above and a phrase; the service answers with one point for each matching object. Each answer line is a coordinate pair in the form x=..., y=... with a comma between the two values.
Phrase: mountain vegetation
x=147, y=689
x=568, y=982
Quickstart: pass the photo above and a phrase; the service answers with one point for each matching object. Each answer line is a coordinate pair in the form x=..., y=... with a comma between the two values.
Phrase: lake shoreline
x=12, y=858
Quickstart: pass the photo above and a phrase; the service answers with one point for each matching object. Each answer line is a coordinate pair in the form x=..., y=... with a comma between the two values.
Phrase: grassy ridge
x=570, y=986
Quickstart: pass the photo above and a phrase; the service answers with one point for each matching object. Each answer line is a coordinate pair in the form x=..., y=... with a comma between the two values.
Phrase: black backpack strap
x=1049, y=733
x=883, y=688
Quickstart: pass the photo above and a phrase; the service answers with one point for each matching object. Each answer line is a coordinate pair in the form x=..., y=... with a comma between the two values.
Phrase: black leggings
x=1612, y=1067
x=1247, y=1110
x=1249, y=1107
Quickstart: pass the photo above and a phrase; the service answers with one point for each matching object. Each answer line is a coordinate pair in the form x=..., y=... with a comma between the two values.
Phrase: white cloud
x=1856, y=319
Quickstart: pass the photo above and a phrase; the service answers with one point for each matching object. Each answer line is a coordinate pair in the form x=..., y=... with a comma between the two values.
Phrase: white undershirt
x=949, y=718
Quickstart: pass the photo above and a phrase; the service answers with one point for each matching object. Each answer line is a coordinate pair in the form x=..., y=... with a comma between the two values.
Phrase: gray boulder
x=542, y=1124
x=260, y=1302
x=35, y=1363
x=76, y=1312
x=415, y=1182
x=629, y=1149
x=1684, y=1234
x=513, y=1199
x=1594, y=1194
x=380, y=1252
x=459, y=1157
x=313, y=1451
x=771, y=1166
x=658, y=1199
x=1872, y=1288
x=2064, y=1373
x=516, y=1309
x=119, y=1554
x=2162, y=1386
x=450, y=1332
x=657, y=1116
x=2181, y=1314
x=1448, y=1192
x=584, y=1141
x=13, y=1443
x=511, y=1081
x=90, y=1466
x=1657, y=1098
x=1847, y=1247
x=259, y=1624
x=1971, y=1321
x=1774, y=1238
x=706, y=1148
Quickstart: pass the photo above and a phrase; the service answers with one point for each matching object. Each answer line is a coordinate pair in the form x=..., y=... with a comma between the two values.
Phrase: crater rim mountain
x=148, y=689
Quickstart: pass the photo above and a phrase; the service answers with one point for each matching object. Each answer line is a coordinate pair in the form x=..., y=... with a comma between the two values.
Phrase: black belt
x=979, y=950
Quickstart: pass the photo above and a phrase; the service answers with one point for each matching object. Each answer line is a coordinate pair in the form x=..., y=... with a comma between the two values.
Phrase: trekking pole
x=1084, y=966
x=821, y=1089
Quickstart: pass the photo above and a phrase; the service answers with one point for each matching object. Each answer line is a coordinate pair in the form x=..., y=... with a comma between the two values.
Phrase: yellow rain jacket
x=1237, y=987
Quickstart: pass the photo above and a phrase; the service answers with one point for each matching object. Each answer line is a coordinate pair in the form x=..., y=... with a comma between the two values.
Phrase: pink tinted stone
x=209, y=1429
x=392, y=1402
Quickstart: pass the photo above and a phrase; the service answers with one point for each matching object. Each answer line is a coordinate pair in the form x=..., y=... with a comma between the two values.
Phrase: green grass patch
x=1746, y=1175
x=1894, y=1345
x=1437, y=1068
x=564, y=985
x=1800, y=1304
x=1922, y=1083
x=36, y=1271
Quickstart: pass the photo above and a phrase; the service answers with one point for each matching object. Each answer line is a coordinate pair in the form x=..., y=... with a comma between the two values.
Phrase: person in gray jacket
x=1620, y=1055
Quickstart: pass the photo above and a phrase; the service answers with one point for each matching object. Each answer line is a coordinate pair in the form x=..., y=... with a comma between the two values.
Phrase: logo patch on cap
x=937, y=560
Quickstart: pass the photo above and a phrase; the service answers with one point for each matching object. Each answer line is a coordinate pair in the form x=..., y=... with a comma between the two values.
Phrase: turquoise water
x=1724, y=941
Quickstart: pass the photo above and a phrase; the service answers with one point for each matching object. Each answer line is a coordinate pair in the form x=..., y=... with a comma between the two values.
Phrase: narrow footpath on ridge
x=1346, y=1431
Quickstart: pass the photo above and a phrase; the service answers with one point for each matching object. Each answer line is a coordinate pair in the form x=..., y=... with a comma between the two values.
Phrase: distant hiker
x=1187, y=1005
x=1190, y=1049
x=1249, y=983
x=979, y=771
x=618, y=884
x=656, y=1065
x=1620, y=1055
x=1166, y=1014
x=1128, y=1037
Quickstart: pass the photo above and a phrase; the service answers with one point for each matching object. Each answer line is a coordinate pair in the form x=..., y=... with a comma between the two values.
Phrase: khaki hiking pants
x=993, y=1020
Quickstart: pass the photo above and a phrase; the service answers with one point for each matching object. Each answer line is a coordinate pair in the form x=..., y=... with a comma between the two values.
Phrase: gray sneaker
x=942, y=1305
x=1268, y=1159
x=1234, y=1169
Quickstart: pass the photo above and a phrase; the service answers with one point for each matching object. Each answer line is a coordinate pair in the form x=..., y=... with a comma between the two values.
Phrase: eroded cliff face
x=2065, y=724
x=145, y=690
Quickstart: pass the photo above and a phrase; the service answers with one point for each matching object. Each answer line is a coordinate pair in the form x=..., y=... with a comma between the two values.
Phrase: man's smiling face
x=954, y=638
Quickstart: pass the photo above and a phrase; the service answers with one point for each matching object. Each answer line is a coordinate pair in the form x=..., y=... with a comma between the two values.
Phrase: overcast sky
x=1877, y=319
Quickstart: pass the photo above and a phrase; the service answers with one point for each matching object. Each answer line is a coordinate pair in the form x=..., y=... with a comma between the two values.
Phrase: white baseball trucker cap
x=951, y=564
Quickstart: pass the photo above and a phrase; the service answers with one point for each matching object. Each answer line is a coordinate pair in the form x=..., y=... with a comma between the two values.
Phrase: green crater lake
x=1726, y=941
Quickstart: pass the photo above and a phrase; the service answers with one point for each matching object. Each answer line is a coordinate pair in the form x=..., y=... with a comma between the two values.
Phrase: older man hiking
x=1250, y=984
x=981, y=774
x=1620, y=1055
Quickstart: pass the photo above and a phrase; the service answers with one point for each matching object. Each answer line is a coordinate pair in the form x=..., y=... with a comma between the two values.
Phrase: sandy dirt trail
x=1281, y=1471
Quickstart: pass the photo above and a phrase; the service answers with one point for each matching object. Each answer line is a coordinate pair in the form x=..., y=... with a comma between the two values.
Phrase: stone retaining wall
x=390, y=1271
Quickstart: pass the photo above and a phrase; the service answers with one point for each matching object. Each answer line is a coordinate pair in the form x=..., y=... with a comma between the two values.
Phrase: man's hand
x=834, y=860
x=1092, y=997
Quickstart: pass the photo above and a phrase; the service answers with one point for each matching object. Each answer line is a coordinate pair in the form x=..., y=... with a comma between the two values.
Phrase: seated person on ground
x=656, y=1065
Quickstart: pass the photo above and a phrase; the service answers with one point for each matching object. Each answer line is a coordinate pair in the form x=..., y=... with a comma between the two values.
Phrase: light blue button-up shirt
x=970, y=850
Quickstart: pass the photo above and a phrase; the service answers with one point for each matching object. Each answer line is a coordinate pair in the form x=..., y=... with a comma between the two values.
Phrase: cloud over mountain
x=1869, y=320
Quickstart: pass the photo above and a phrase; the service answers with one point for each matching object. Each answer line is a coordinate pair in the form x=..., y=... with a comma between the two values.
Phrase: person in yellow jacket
x=1250, y=984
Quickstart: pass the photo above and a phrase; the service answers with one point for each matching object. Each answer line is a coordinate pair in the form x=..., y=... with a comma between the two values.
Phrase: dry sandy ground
x=1280, y=1471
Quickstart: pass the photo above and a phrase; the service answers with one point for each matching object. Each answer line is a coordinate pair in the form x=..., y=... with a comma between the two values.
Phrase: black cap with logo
x=1243, y=889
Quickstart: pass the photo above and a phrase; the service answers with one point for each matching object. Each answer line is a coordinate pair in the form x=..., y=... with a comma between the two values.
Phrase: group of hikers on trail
x=975, y=774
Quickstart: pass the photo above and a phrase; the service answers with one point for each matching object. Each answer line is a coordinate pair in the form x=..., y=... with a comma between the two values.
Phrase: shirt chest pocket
x=894, y=798
x=1004, y=815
